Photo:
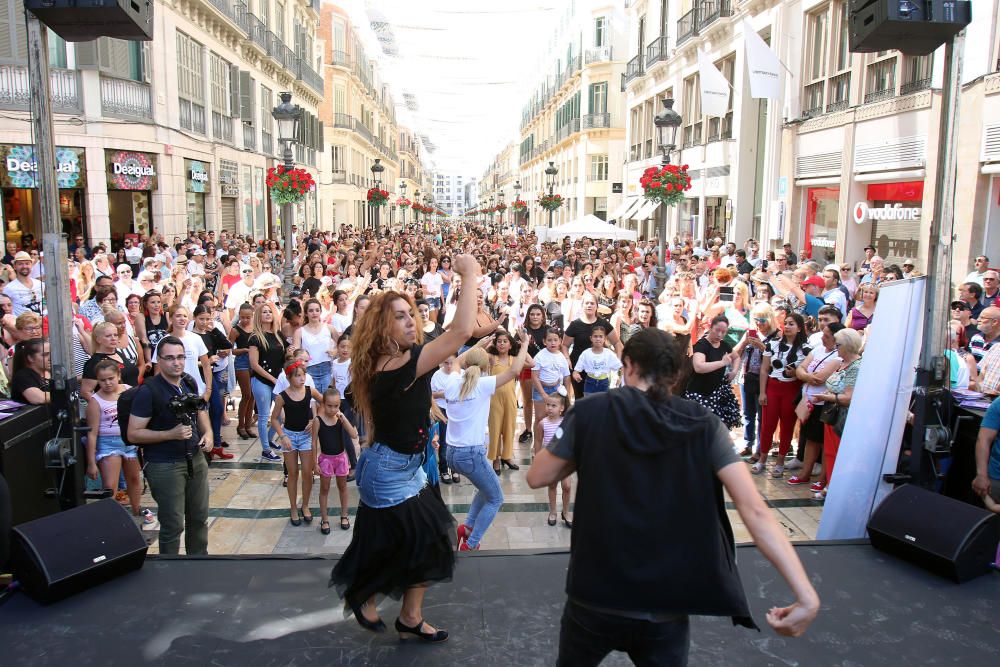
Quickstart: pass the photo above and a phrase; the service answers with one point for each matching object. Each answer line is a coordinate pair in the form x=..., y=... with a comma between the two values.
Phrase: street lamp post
x=517, y=199
x=287, y=117
x=666, y=122
x=402, y=209
x=550, y=178
x=416, y=200
x=500, y=197
x=427, y=204
x=377, y=170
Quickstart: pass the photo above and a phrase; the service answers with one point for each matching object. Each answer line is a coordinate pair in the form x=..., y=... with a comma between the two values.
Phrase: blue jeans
x=321, y=374
x=262, y=398
x=750, y=392
x=217, y=406
x=471, y=462
x=594, y=386
x=386, y=478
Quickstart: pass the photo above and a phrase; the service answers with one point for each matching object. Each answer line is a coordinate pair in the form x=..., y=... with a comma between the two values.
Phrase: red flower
x=670, y=187
x=654, y=184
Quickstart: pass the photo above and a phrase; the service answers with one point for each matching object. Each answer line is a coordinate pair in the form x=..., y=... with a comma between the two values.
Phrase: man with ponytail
x=677, y=456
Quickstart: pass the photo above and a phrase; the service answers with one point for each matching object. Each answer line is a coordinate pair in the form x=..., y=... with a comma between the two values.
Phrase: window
x=57, y=50
x=916, y=73
x=691, y=112
x=266, y=120
x=191, y=83
x=279, y=21
x=600, y=31
x=599, y=97
x=642, y=37
x=222, y=123
x=815, y=69
x=598, y=167
x=722, y=127
x=880, y=76
x=839, y=84
x=664, y=18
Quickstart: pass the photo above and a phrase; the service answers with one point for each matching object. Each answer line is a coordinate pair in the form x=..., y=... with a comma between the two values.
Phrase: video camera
x=184, y=406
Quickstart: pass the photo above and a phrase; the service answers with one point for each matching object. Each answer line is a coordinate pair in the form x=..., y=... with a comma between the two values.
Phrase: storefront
x=21, y=216
x=131, y=182
x=894, y=211
x=822, y=215
x=716, y=218
x=197, y=185
x=229, y=190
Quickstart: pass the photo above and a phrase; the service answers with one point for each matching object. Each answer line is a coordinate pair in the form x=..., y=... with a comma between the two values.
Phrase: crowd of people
x=487, y=329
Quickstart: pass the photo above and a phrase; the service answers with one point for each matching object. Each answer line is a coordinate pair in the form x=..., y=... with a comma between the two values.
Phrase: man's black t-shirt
x=147, y=406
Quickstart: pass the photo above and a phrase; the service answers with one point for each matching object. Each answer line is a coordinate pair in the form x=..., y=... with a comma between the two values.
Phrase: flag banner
x=714, y=88
x=762, y=64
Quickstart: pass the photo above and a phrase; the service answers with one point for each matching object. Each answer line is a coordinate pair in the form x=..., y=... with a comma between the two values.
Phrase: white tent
x=592, y=227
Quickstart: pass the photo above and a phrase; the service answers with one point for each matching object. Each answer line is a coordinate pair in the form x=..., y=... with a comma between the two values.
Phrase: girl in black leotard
x=295, y=436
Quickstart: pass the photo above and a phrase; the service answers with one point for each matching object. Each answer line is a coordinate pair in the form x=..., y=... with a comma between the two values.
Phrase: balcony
x=222, y=127
x=839, y=92
x=600, y=54
x=635, y=68
x=124, y=98
x=915, y=86
x=879, y=95
x=813, y=99
x=361, y=129
x=593, y=121
x=249, y=138
x=234, y=11
x=711, y=11
x=15, y=89
x=340, y=59
x=656, y=51
x=266, y=142
x=687, y=26
x=306, y=74
x=343, y=121
x=257, y=32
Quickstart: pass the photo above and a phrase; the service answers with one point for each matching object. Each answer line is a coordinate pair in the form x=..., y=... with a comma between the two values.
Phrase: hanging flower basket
x=288, y=186
x=666, y=184
x=519, y=206
x=378, y=197
x=403, y=203
x=550, y=202
x=501, y=207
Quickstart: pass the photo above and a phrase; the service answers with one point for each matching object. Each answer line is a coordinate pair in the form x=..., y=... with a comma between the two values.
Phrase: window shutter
x=234, y=91
x=247, y=98
x=104, y=58
x=20, y=46
x=147, y=68
x=320, y=146
x=120, y=60
x=7, y=21
x=86, y=54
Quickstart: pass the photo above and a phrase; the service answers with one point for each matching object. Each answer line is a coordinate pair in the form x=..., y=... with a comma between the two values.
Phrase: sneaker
x=270, y=456
x=274, y=445
x=777, y=472
x=794, y=464
x=817, y=469
x=817, y=486
x=455, y=479
x=757, y=468
x=148, y=518
x=446, y=477
x=795, y=480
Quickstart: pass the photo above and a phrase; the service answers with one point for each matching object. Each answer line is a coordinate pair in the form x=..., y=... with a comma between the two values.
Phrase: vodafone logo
x=863, y=213
x=860, y=212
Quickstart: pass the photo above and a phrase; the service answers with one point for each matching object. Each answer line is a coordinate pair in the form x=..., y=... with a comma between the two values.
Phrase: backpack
x=125, y=404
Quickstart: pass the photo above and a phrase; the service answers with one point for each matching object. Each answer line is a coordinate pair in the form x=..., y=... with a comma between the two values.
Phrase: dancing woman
x=403, y=535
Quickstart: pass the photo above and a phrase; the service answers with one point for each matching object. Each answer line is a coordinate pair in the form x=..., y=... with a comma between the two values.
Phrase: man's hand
x=205, y=443
x=791, y=621
x=981, y=485
x=180, y=432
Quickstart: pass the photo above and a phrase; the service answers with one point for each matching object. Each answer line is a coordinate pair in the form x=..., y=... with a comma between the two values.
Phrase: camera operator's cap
x=960, y=305
x=815, y=281
x=22, y=256
x=910, y=262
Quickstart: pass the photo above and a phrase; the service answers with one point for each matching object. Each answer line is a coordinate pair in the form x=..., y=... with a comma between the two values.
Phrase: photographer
x=169, y=420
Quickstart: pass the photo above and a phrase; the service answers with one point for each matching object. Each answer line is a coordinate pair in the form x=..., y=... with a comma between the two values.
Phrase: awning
x=623, y=208
x=636, y=205
x=646, y=210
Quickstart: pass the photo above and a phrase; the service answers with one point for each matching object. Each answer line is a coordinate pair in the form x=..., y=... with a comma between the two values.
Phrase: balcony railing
x=125, y=98
x=879, y=95
x=258, y=31
x=340, y=59
x=838, y=93
x=249, y=138
x=656, y=51
x=599, y=54
x=266, y=143
x=915, y=86
x=687, y=26
x=596, y=120
x=309, y=76
x=361, y=129
x=15, y=88
x=711, y=11
x=222, y=127
x=813, y=99
x=343, y=120
x=338, y=177
x=635, y=68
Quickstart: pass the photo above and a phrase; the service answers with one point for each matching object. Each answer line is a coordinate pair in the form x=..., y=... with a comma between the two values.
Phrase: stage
x=503, y=608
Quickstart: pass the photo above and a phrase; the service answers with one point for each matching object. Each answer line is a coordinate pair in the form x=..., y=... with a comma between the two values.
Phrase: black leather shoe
x=374, y=626
x=510, y=464
x=430, y=637
x=525, y=436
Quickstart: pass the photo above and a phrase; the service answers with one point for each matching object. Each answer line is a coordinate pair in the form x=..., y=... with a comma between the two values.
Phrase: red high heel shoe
x=463, y=535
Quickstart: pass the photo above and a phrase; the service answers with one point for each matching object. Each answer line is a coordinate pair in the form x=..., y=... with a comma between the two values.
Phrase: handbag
x=834, y=415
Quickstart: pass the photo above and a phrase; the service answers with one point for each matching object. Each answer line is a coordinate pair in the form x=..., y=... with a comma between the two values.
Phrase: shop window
x=822, y=218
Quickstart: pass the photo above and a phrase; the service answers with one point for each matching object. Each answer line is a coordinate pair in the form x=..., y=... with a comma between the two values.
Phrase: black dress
x=711, y=390
x=397, y=547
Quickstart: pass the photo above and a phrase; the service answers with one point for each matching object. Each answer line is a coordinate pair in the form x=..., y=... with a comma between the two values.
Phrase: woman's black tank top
x=156, y=332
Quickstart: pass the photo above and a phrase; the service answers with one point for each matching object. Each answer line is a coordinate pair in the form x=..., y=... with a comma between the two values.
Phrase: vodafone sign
x=864, y=213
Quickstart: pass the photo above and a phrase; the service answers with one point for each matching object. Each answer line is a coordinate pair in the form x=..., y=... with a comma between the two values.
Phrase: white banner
x=714, y=88
x=762, y=64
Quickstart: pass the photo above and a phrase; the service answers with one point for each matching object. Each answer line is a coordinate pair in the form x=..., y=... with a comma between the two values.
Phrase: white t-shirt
x=469, y=417
x=552, y=368
x=194, y=347
x=836, y=298
x=341, y=322
x=125, y=291
x=598, y=366
x=133, y=255
x=439, y=381
x=317, y=344
x=239, y=294
x=431, y=283
x=341, y=371
x=282, y=383
x=25, y=299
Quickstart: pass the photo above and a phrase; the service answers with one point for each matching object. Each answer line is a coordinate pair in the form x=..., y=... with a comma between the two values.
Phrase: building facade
x=449, y=192
x=576, y=117
x=165, y=136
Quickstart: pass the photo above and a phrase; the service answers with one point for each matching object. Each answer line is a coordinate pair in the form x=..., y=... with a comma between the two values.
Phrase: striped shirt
x=549, y=427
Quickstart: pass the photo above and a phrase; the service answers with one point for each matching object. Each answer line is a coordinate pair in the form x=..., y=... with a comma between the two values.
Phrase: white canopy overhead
x=592, y=227
x=625, y=206
x=646, y=210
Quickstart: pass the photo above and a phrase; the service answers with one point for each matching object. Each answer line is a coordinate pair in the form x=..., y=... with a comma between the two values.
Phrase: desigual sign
x=863, y=213
x=20, y=167
x=130, y=170
x=198, y=177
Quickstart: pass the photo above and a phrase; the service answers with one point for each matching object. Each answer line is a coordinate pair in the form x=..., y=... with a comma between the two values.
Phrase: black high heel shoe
x=497, y=466
x=510, y=464
x=429, y=637
x=374, y=626
x=569, y=524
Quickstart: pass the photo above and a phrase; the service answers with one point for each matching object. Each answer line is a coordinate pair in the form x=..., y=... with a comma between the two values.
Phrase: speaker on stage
x=65, y=553
x=943, y=535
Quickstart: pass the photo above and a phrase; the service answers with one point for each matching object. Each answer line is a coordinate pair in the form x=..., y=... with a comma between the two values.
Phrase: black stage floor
x=501, y=609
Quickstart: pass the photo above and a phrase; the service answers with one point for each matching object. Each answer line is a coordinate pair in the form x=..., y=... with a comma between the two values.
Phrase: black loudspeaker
x=940, y=534
x=84, y=20
x=915, y=27
x=5, y=523
x=65, y=553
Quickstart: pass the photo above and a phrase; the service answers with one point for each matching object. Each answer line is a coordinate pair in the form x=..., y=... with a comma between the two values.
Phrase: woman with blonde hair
x=859, y=317
x=85, y=279
x=469, y=404
x=266, y=348
x=403, y=537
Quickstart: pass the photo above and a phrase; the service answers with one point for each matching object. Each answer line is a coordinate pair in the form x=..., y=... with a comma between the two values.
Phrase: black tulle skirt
x=396, y=548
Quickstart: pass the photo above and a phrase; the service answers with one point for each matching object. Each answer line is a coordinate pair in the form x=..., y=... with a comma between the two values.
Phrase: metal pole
x=661, y=271
x=287, y=217
x=932, y=373
x=56, y=301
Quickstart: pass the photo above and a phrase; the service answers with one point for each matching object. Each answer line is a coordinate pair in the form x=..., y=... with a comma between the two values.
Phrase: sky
x=469, y=67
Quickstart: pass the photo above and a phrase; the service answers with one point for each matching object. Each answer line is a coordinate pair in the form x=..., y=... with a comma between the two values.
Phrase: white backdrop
x=875, y=422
